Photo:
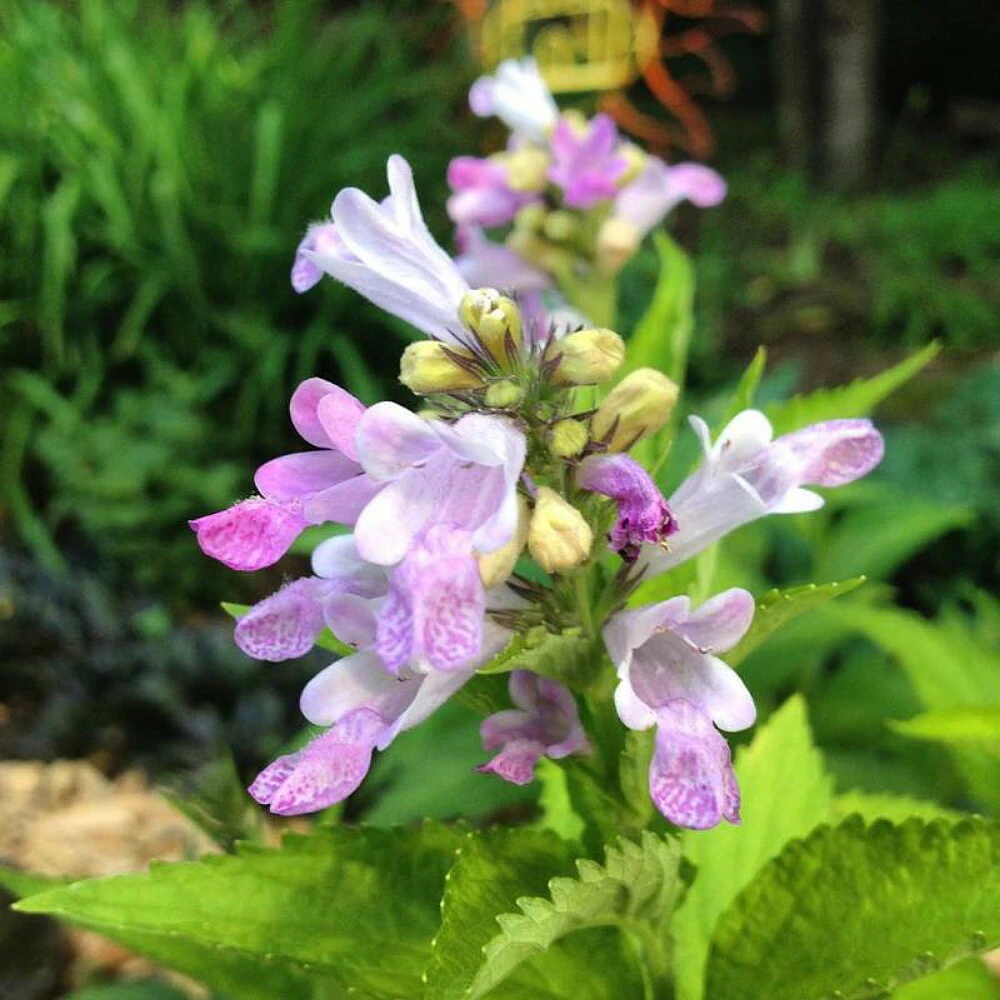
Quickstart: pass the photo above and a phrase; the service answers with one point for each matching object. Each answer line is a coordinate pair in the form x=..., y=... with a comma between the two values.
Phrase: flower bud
x=586, y=357
x=429, y=366
x=617, y=242
x=560, y=225
x=635, y=158
x=558, y=537
x=635, y=408
x=494, y=319
x=531, y=217
x=527, y=169
x=496, y=566
x=568, y=438
x=503, y=395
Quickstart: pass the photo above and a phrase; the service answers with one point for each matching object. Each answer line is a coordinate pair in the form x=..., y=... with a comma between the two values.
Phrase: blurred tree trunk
x=850, y=54
x=795, y=51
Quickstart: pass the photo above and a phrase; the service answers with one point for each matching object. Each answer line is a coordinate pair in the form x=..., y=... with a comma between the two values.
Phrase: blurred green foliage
x=159, y=164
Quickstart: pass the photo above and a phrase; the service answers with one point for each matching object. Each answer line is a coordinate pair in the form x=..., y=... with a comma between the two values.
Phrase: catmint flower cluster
x=507, y=507
x=573, y=198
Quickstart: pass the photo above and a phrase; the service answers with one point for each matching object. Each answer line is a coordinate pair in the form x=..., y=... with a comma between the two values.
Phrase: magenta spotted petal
x=252, y=534
x=325, y=771
x=691, y=778
x=286, y=624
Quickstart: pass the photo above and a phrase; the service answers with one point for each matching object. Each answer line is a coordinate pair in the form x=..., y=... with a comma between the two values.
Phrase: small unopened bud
x=429, y=366
x=494, y=319
x=560, y=225
x=586, y=357
x=527, y=169
x=617, y=242
x=503, y=395
x=531, y=217
x=635, y=408
x=496, y=566
x=568, y=438
x=636, y=159
x=558, y=537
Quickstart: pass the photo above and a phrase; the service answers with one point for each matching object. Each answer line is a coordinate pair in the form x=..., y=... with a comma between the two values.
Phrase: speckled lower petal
x=250, y=535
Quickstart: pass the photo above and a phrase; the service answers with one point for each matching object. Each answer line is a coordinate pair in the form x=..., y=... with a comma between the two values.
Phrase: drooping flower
x=746, y=475
x=670, y=678
x=545, y=723
x=518, y=96
x=296, y=490
x=643, y=513
x=659, y=188
x=587, y=162
x=386, y=253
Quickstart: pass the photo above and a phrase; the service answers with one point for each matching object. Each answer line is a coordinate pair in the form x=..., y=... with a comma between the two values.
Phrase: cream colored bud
x=568, y=438
x=496, y=566
x=494, y=319
x=531, y=217
x=503, y=395
x=560, y=225
x=587, y=357
x=635, y=408
x=617, y=242
x=429, y=366
x=636, y=159
x=558, y=537
x=527, y=169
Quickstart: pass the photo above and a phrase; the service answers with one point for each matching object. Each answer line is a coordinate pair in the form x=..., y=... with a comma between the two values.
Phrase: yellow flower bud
x=636, y=159
x=531, y=217
x=635, y=408
x=503, y=395
x=617, y=242
x=496, y=566
x=586, y=357
x=494, y=319
x=560, y=225
x=429, y=366
x=568, y=438
x=527, y=169
x=558, y=537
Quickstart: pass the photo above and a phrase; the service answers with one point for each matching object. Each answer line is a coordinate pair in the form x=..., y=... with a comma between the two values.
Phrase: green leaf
x=491, y=872
x=860, y=910
x=857, y=399
x=21, y=884
x=142, y=989
x=746, y=389
x=569, y=654
x=978, y=725
x=786, y=793
x=662, y=337
x=885, y=805
x=325, y=640
x=320, y=909
x=778, y=607
x=555, y=802
x=968, y=980
x=636, y=888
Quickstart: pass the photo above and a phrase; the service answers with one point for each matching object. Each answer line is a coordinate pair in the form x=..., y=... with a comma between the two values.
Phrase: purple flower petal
x=835, y=452
x=303, y=474
x=691, y=778
x=516, y=762
x=325, y=771
x=249, y=535
x=284, y=625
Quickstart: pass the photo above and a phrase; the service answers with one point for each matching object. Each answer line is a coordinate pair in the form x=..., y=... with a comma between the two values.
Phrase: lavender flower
x=587, y=163
x=670, y=678
x=518, y=96
x=545, y=723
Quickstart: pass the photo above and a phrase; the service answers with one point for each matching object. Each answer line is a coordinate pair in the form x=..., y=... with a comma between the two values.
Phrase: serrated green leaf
x=884, y=805
x=977, y=725
x=637, y=887
x=491, y=871
x=746, y=389
x=555, y=803
x=778, y=607
x=860, y=910
x=248, y=924
x=786, y=792
x=857, y=399
x=563, y=655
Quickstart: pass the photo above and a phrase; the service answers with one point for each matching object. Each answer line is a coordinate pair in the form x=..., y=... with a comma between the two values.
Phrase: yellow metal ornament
x=580, y=45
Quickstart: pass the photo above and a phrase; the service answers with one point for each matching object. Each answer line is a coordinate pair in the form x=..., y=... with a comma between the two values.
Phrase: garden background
x=158, y=164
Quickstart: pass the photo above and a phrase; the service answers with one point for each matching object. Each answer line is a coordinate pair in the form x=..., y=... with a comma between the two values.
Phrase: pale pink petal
x=516, y=762
x=303, y=474
x=339, y=414
x=720, y=623
x=835, y=452
x=391, y=439
x=343, y=503
x=357, y=681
